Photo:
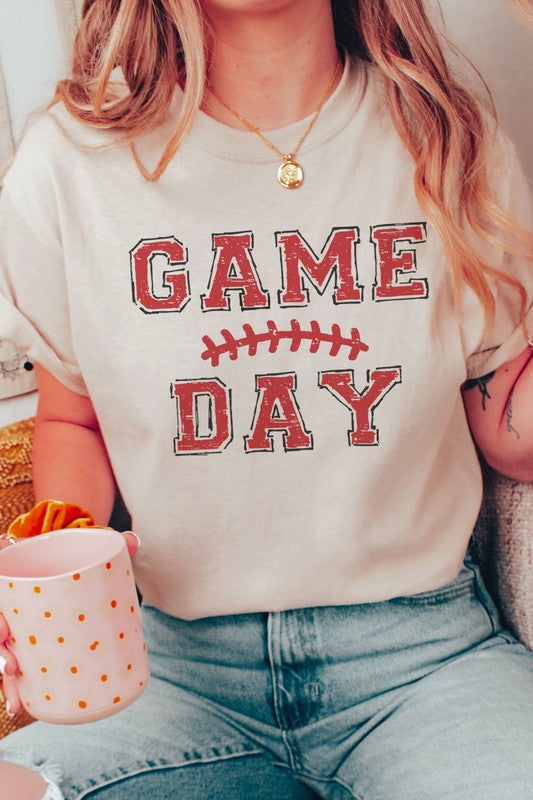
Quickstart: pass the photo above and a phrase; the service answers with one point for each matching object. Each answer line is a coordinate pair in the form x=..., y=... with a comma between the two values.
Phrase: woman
x=300, y=308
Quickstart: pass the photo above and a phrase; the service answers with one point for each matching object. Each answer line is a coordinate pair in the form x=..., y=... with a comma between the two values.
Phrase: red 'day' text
x=277, y=411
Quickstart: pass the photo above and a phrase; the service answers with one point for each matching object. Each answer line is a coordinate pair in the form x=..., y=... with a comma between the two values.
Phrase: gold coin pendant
x=290, y=174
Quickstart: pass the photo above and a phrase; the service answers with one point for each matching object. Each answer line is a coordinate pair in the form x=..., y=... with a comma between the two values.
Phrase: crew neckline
x=233, y=144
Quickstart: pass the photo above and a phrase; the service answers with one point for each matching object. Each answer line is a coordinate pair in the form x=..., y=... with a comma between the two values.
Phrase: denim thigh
x=424, y=697
x=159, y=732
x=435, y=703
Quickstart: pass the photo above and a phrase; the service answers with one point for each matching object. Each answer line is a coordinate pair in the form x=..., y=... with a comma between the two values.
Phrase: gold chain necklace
x=290, y=173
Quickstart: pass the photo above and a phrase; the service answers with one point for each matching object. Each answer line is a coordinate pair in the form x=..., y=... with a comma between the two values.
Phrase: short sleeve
x=34, y=308
x=486, y=350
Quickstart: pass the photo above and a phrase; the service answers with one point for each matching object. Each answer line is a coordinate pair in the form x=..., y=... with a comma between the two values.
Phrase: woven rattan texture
x=16, y=492
x=16, y=497
x=503, y=546
x=11, y=724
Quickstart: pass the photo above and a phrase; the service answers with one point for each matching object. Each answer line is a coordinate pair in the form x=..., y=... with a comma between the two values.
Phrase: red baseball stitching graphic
x=273, y=335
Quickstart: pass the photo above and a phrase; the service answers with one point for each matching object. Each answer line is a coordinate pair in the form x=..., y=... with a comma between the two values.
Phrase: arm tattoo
x=481, y=384
x=509, y=415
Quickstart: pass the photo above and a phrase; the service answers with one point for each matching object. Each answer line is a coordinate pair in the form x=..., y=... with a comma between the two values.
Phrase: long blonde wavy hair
x=159, y=43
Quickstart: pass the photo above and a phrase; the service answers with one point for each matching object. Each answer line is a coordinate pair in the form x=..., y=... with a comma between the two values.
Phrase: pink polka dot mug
x=70, y=601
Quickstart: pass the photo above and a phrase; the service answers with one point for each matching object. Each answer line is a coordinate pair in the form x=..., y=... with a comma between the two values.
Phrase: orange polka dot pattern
x=78, y=640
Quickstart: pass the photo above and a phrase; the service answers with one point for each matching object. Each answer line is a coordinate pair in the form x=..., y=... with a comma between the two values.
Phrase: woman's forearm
x=70, y=460
x=70, y=463
x=499, y=408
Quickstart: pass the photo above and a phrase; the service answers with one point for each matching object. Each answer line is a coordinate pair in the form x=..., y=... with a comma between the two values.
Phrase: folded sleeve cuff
x=488, y=360
x=17, y=329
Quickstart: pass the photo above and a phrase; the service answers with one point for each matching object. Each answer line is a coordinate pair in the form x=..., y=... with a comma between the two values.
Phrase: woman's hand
x=8, y=663
x=8, y=668
x=132, y=542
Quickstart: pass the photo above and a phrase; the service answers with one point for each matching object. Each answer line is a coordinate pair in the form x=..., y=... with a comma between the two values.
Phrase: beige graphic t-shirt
x=276, y=373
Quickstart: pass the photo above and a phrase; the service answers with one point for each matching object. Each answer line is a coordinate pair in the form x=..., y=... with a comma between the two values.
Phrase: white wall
x=31, y=55
x=34, y=35
x=495, y=38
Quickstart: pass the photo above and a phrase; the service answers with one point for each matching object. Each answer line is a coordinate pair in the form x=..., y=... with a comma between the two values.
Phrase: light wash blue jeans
x=417, y=698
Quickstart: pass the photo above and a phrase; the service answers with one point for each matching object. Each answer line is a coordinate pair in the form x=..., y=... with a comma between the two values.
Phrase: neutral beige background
x=495, y=38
